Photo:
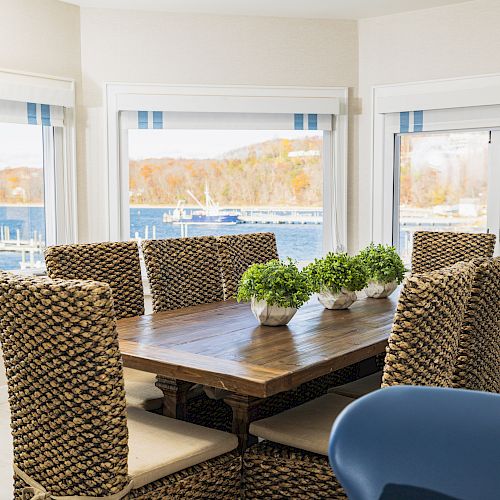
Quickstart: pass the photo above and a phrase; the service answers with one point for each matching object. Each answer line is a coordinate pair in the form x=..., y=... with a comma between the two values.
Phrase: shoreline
x=222, y=207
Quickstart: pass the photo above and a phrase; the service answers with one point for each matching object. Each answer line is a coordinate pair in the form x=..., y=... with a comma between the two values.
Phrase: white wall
x=146, y=47
x=40, y=36
x=446, y=42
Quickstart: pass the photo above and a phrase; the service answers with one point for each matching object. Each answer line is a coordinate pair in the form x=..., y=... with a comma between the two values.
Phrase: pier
x=31, y=250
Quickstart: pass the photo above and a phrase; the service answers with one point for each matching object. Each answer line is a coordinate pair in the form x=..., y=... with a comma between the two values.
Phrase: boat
x=210, y=213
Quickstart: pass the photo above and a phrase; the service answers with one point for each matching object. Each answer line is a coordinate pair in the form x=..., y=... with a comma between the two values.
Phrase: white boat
x=210, y=213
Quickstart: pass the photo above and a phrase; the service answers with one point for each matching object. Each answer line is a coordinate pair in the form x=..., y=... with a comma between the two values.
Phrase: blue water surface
x=298, y=241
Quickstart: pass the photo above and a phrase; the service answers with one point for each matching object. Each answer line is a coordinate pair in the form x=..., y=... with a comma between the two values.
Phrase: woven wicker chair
x=114, y=263
x=72, y=433
x=423, y=347
x=238, y=252
x=435, y=249
x=478, y=366
x=183, y=272
x=118, y=265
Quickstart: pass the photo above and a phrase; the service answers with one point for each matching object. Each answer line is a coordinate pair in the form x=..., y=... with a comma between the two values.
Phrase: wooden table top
x=221, y=345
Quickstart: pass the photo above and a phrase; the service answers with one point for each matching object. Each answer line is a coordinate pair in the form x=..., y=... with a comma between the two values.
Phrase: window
x=37, y=168
x=441, y=184
x=212, y=182
x=22, y=196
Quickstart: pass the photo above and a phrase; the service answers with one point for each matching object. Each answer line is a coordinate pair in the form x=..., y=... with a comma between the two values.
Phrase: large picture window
x=215, y=182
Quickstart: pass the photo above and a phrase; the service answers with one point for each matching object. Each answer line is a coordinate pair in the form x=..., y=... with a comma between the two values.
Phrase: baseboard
x=3, y=394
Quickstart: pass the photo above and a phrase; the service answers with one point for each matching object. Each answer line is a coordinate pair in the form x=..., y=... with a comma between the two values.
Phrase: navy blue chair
x=408, y=442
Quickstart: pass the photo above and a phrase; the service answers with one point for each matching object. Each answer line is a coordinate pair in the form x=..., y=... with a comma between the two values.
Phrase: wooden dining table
x=221, y=345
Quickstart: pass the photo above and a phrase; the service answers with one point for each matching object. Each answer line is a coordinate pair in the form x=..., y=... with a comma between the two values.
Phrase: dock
x=31, y=250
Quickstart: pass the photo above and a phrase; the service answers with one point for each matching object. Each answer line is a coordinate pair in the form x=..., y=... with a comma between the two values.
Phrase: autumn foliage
x=263, y=174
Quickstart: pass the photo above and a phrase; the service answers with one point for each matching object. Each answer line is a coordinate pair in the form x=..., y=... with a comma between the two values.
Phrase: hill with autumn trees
x=21, y=185
x=263, y=174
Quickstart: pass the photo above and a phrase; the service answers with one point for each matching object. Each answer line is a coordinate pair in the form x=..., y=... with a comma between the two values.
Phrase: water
x=26, y=220
x=298, y=241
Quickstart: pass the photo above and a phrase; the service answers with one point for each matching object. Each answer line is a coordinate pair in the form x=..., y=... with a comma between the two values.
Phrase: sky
x=198, y=144
x=20, y=145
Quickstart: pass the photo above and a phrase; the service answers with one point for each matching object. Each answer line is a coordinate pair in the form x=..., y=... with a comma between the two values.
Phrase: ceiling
x=316, y=9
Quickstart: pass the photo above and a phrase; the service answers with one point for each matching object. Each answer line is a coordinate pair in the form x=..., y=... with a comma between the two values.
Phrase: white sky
x=201, y=143
x=20, y=145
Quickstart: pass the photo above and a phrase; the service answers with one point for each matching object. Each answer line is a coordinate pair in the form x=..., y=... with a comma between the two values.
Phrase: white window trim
x=60, y=181
x=235, y=98
x=457, y=93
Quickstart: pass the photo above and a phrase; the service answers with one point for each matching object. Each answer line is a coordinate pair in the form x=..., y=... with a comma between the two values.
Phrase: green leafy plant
x=277, y=282
x=336, y=271
x=383, y=263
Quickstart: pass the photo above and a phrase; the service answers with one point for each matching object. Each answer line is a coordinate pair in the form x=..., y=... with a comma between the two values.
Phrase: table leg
x=243, y=413
x=174, y=396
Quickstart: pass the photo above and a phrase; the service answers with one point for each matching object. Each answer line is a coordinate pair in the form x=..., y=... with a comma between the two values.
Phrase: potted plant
x=385, y=269
x=275, y=289
x=336, y=278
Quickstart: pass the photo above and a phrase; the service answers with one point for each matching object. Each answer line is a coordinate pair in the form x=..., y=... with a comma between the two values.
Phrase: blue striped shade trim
x=404, y=121
x=31, y=109
x=418, y=121
x=298, y=121
x=45, y=112
x=312, y=122
x=142, y=119
x=157, y=119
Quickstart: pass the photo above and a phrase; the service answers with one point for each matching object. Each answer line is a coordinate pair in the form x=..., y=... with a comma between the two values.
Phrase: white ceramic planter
x=379, y=290
x=337, y=300
x=272, y=315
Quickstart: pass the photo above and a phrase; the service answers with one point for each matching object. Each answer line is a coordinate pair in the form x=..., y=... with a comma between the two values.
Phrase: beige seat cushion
x=306, y=427
x=141, y=391
x=359, y=387
x=159, y=446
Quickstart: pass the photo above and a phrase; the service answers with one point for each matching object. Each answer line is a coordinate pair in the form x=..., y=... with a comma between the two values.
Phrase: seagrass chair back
x=183, y=272
x=65, y=383
x=478, y=366
x=423, y=345
x=434, y=250
x=115, y=263
x=239, y=251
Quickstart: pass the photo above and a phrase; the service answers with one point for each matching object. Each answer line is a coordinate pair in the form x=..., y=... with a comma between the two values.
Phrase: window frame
x=449, y=105
x=135, y=97
x=59, y=153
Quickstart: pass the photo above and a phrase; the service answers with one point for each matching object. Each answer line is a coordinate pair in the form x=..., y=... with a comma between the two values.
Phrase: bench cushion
x=359, y=387
x=160, y=446
x=141, y=391
x=306, y=426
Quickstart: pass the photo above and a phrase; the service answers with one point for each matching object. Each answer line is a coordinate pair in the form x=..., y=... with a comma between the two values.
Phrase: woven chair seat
x=359, y=387
x=160, y=446
x=306, y=427
x=140, y=390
